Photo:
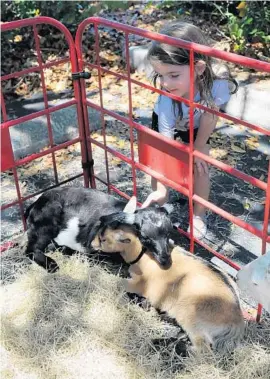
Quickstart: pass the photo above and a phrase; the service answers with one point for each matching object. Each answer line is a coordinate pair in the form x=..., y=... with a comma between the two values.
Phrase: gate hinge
x=88, y=164
x=81, y=75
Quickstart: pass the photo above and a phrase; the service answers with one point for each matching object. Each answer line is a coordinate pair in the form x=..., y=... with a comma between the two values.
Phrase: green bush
x=68, y=12
x=251, y=25
x=244, y=22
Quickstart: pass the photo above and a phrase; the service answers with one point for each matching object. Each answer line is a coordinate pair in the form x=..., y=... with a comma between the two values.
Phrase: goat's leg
x=67, y=251
x=199, y=344
x=35, y=251
x=42, y=260
x=192, y=326
x=134, y=286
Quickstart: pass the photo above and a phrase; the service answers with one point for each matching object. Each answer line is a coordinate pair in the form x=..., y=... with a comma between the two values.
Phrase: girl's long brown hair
x=168, y=54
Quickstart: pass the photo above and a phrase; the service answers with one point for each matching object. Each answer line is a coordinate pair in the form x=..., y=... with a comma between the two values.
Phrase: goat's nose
x=166, y=262
x=96, y=242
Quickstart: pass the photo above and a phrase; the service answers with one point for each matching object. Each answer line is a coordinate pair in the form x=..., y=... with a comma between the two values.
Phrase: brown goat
x=199, y=296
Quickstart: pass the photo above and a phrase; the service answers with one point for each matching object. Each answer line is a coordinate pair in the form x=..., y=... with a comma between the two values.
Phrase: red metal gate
x=180, y=152
x=170, y=147
x=8, y=161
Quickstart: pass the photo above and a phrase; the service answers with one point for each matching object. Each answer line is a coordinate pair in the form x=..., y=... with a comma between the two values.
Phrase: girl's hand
x=159, y=197
x=200, y=166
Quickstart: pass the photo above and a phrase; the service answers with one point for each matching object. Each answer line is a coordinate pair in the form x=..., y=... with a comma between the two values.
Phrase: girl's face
x=175, y=78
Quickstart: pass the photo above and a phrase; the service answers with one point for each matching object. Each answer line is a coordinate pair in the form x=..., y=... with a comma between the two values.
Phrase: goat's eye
x=124, y=240
x=101, y=240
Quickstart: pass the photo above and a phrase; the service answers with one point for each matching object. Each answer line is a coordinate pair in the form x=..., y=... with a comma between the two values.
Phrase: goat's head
x=112, y=240
x=151, y=226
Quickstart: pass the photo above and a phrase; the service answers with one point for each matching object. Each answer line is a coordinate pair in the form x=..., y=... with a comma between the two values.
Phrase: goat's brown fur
x=202, y=300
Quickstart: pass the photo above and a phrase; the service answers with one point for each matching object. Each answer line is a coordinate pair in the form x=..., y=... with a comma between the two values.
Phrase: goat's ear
x=116, y=219
x=94, y=231
x=120, y=237
x=176, y=225
x=168, y=208
x=131, y=205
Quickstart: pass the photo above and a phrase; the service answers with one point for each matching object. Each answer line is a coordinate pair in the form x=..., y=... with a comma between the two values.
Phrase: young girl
x=171, y=118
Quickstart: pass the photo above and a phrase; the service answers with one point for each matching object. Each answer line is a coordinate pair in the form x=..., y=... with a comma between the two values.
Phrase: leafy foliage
x=68, y=12
x=251, y=25
x=243, y=22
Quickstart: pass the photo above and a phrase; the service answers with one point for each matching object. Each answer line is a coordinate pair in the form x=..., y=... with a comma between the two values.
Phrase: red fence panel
x=150, y=163
x=8, y=160
x=150, y=149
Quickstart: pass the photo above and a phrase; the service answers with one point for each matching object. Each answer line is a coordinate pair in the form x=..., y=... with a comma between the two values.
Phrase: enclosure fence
x=148, y=140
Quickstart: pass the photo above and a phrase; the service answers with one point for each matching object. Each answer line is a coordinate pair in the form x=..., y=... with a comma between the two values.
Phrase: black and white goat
x=70, y=217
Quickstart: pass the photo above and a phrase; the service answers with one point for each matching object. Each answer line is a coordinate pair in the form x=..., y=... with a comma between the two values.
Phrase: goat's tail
x=228, y=337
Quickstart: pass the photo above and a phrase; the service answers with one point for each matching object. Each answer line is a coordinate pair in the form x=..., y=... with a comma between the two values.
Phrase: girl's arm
x=208, y=122
x=159, y=194
x=221, y=96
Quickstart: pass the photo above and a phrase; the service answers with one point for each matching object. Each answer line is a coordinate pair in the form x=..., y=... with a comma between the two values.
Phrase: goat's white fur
x=67, y=237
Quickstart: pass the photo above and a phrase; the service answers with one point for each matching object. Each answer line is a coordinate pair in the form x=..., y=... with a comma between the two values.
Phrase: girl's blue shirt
x=168, y=113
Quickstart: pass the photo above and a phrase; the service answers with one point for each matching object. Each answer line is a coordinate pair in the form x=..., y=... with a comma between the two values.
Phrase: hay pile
x=79, y=323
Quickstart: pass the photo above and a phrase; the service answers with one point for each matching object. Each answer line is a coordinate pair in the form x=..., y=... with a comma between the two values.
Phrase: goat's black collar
x=139, y=256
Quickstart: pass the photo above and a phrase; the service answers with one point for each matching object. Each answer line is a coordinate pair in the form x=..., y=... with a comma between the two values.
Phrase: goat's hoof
x=52, y=267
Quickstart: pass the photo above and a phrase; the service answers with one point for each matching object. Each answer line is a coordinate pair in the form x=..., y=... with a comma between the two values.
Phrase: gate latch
x=81, y=75
x=88, y=164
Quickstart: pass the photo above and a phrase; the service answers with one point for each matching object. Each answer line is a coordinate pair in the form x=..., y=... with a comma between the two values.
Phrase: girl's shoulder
x=220, y=84
x=221, y=91
x=164, y=99
x=163, y=103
